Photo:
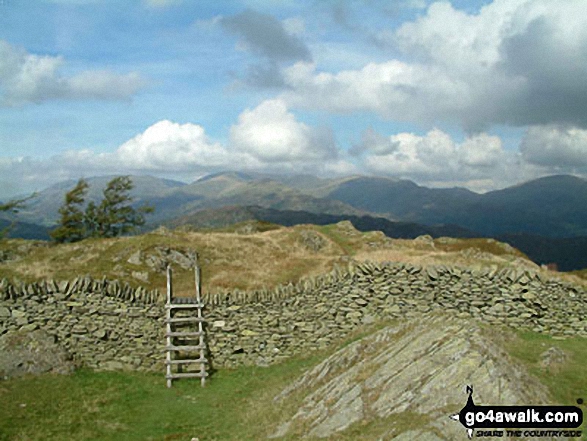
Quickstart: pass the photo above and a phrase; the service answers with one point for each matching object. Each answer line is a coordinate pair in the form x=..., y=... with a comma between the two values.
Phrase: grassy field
x=567, y=382
x=235, y=405
x=264, y=256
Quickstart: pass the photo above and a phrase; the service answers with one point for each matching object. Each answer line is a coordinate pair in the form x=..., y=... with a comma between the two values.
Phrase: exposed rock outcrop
x=412, y=376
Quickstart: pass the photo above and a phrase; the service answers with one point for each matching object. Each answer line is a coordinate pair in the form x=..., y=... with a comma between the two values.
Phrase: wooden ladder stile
x=172, y=333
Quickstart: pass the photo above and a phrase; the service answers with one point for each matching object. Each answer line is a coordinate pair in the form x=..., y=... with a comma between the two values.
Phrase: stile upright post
x=168, y=327
x=200, y=325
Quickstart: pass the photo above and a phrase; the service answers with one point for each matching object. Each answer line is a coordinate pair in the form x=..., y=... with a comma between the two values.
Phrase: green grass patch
x=343, y=242
x=566, y=382
x=234, y=405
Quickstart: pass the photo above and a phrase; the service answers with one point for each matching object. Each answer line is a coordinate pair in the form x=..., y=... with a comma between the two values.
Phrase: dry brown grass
x=246, y=261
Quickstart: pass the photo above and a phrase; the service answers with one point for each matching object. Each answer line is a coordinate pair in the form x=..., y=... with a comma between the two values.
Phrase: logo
x=474, y=417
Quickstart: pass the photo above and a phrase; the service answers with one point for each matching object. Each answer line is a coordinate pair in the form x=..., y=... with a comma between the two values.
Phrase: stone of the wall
x=102, y=324
x=107, y=325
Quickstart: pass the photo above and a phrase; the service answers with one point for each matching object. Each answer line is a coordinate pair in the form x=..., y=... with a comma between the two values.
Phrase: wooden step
x=184, y=334
x=187, y=375
x=180, y=300
x=185, y=320
x=198, y=360
x=185, y=348
x=184, y=305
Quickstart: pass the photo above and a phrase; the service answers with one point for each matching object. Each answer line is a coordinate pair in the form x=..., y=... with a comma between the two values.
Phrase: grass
x=570, y=381
x=343, y=240
x=490, y=246
x=229, y=257
x=566, y=383
x=580, y=273
x=234, y=405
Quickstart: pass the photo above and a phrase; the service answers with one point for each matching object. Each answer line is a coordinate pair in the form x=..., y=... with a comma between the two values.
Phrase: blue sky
x=475, y=94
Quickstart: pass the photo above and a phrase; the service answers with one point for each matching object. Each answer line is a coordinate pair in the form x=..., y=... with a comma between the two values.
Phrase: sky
x=476, y=94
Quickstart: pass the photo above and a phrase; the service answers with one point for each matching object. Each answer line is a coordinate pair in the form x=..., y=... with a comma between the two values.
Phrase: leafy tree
x=72, y=228
x=13, y=206
x=114, y=215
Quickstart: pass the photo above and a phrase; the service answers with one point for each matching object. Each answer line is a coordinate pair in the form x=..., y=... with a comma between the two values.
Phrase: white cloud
x=395, y=90
x=171, y=146
x=516, y=62
x=266, y=138
x=434, y=156
x=165, y=148
x=270, y=133
x=556, y=147
x=28, y=77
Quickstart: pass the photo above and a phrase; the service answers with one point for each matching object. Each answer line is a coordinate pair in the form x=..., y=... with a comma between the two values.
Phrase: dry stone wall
x=106, y=325
x=101, y=324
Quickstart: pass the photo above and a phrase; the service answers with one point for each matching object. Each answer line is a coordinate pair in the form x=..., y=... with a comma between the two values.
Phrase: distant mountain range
x=537, y=217
x=555, y=206
x=221, y=217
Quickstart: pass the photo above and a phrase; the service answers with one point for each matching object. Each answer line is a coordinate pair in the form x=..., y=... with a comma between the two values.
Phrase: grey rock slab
x=135, y=258
x=419, y=367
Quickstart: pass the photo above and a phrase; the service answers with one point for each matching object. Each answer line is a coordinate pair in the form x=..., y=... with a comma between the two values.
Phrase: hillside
x=553, y=206
x=545, y=218
x=405, y=200
x=24, y=230
x=172, y=199
x=43, y=208
x=214, y=218
x=568, y=254
x=246, y=256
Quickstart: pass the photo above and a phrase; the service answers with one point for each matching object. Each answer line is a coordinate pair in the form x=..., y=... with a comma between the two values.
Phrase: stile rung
x=184, y=306
x=186, y=361
x=184, y=334
x=187, y=375
x=185, y=348
x=185, y=320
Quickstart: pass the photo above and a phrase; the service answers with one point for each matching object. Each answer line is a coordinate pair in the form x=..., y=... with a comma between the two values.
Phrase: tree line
x=112, y=216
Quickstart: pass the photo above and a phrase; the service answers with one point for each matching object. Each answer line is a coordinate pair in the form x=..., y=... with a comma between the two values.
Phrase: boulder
x=32, y=352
